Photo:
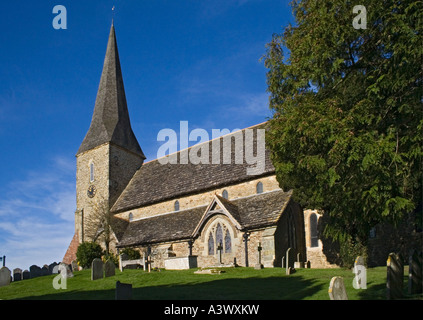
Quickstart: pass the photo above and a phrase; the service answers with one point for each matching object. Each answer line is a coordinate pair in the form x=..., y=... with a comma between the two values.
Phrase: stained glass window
x=211, y=244
x=225, y=194
x=259, y=187
x=176, y=205
x=228, y=242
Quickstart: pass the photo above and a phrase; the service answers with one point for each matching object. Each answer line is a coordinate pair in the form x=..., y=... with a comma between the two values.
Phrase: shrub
x=87, y=252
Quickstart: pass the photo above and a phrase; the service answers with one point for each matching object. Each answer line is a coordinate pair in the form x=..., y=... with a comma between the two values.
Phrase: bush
x=111, y=256
x=87, y=252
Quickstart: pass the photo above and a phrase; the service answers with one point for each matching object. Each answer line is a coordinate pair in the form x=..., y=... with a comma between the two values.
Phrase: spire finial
x=113, y=13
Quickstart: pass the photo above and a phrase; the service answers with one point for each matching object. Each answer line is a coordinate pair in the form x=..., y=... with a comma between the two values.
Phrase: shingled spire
x=110, y=121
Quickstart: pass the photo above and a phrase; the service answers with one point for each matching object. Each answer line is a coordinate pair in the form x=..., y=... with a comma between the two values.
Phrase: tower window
x=131, y=216
x=225, y=194
x=176, y=205
x=91, y=172
x=259, y=187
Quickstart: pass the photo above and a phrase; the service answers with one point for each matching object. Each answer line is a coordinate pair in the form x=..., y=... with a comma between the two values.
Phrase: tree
x=87, y=252
x=101, y=226
x=346, y=131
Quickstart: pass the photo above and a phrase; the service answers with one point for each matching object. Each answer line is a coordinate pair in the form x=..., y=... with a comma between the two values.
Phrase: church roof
x=260, y=210
x=110, y=121
x=155, y=182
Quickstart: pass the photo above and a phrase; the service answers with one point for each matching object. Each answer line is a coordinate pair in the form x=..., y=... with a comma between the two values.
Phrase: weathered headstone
x=308, y=264
x=52, y=267
x=35, y=271
x=55, y=269
x=44, y=270
x=65, y=270
x=17, y=274
x=259, y=265
x=299, y=263
x=337, y=289
x=360, y=279
x=74, y=266
x=109, y=268
x=96, y=269
x=123, y=291
x=290, y=270
x=394, y=277
x=26, y=275
x=415, y=271
x=5, y=276
x=289, y=259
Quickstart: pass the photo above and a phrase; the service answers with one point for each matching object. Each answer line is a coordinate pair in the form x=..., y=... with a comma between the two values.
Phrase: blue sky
x=195, y=61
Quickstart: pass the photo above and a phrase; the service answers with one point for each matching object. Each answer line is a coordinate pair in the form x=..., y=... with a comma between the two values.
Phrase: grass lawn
x=233, y=284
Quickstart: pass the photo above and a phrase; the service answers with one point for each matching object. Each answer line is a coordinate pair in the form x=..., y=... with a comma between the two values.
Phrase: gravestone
x=289, y=259
x=123, y=291
x=52, y=267
x=26, y=275
x=55, y=269
x=65, y=270
x=5, y=276
x=337, y=289
x=109, y=268
x=360, y=279
x=299, y=263
x=415, y=272
x=44, y=270
x=96, y=269
x=35, y=271
x=17, y=274
x=219, y=252
x=74, y=266
x=259, y=265
x=394, y=277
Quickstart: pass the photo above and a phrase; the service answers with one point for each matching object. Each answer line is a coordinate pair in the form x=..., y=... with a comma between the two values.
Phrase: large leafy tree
x=346, y=133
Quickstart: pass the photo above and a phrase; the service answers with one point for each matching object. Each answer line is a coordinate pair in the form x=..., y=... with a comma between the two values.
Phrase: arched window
x=225, y=194
x=259, y=187
x=210, y=245
x=219, y=235
x=91, y=172
x=176, y=205
x=228, y=242
x=131, y=216
x=314, y=240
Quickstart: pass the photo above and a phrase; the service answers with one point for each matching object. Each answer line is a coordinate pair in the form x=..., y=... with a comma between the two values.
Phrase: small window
x=225, y=194
x=314, y=240
x=259, y=187
x=91, y=172
x=372, y=233
x=131, y=216
x=210, y=245
x=176, y=205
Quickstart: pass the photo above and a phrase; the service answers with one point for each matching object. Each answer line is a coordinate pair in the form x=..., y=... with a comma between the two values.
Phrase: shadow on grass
x=272, y=288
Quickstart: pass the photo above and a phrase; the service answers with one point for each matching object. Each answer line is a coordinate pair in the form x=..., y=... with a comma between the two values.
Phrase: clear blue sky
x=195, y=61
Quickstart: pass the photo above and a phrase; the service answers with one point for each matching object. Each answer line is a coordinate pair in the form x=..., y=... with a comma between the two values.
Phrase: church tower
x=110, y=154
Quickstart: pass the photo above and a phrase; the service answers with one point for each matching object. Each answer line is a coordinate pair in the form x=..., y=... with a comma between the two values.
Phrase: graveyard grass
x=233, y=284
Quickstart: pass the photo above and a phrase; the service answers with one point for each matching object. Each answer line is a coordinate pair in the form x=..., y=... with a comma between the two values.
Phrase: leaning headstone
x=299, y=263
x=337, y=289
x=415, y=271
x=65, y=270
x=96, y=269
x=5, y=276
x=17, y=274
x=290, y=270
x=123, y=291
x=289, y=259
x=109, y=268
x=26, y=275
x=394, y=277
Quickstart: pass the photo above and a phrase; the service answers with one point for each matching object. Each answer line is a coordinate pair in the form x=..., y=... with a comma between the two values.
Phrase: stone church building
x=207, y=214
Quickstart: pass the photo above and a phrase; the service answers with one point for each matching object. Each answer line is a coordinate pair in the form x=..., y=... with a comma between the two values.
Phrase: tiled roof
x=251, y=212
x=155, y=182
